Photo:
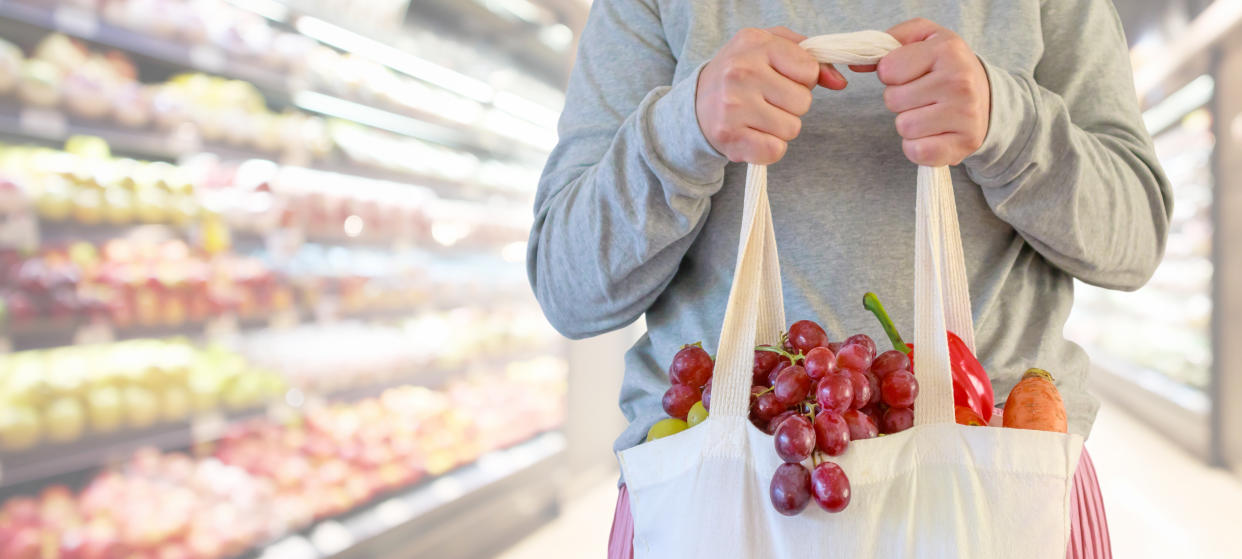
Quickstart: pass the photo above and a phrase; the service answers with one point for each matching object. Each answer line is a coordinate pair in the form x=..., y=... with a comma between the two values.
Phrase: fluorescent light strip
x=269, y=9
x=1194, y=95
x=362, y=114
x=396, y=59
x=525, y=109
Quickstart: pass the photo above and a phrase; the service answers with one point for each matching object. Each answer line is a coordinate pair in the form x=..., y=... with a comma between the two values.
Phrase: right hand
x=753, y=93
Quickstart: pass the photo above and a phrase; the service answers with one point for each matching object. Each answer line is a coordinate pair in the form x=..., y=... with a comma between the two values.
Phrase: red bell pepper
x=971, y=386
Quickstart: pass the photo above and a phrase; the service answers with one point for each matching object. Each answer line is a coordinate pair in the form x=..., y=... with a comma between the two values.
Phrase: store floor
x=1161, y=502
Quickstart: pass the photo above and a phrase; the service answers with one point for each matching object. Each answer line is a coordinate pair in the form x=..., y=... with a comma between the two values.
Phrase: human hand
x=753, y=93
x=939, y=90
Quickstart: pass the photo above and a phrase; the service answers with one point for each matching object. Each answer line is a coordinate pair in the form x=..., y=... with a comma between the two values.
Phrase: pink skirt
x=1088, y=524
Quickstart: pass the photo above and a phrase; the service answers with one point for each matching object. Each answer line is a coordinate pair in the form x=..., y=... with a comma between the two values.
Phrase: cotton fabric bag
x=936, y=490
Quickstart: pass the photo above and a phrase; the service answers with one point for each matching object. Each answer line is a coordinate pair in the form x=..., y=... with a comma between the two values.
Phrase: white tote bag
x=936, y=490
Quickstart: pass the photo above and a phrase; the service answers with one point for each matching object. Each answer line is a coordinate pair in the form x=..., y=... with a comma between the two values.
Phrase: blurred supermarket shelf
x=98, y=450
x=51, y=460
x=53, y=127
x=507, y=493
x=278, y=88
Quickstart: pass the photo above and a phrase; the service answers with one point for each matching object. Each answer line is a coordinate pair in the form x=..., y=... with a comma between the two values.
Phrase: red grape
x=897, y=420
x=832, y=433
x=875, y=410
x=863, y=340
x=862, y=389
x=794, y=438
x=830, y=487
x=835, y=393
x=874, y=382
x=820, y=362
x=707, y=396
x=806, y=335
x=861, y=425
x=765, y=361
x=767, y=407
x=899, y=389
x=679, y=399
x=890, y=361
x=855, y=356
x=792, y=385
x=771, y=426
x=835, y=346
x=791, y=489
x=777, y=370
x=692, y=366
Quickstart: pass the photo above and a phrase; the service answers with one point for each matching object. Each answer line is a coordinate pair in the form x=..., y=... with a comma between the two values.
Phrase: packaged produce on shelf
x=11, y=63
x=313, y=358
x=165, y=505
x=135, y=281
x=60, y=395
x=265, y=478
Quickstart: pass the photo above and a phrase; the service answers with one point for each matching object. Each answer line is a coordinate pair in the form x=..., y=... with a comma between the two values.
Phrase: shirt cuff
x=678, y=141
x=1012, y=120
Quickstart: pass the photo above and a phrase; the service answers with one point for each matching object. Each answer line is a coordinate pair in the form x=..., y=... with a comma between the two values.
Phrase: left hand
x=939, y=90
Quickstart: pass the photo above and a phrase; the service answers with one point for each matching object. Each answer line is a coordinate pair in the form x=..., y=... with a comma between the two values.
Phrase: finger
x=831, y=78
x=758, y=148
x=793, y=62
x=906, y=64
x=862, y=67
x=928, y=121
x=914, y=30
x=790, y=96
x=936, y=151
x=786, y=33
x=918, y=93
x=775, y=121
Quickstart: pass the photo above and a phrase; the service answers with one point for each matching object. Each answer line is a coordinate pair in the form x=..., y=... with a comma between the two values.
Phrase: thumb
x=914, y=30
x=786, y=33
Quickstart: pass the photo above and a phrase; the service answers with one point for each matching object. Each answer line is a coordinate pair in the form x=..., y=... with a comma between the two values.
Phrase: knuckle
x=802, y=104
x=737, y=71
x=884, y=70
x=961, y=85
x=793, y=128
x=751, y=35
x=892, y=98
x=775, y=150
x=905, y=125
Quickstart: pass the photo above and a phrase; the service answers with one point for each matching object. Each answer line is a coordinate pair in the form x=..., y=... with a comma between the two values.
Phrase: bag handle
x=755, y=310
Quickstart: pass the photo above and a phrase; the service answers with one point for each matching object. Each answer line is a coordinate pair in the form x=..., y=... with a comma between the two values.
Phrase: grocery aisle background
x=262, y=289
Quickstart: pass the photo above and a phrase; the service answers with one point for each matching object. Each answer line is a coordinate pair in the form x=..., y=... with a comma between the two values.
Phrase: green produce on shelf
x=58, y=395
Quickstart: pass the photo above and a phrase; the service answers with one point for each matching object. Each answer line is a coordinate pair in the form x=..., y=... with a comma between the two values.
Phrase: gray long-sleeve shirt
x=637, y=213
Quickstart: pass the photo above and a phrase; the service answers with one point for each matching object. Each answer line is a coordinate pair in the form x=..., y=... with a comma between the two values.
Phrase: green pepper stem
x=872, y=303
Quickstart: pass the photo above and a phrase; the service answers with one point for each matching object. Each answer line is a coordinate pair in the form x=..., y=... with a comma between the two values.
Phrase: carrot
x=1035, y=404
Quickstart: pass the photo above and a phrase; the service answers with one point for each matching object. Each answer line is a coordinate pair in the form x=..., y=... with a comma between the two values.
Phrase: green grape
x=666, y=427
x=697, y=414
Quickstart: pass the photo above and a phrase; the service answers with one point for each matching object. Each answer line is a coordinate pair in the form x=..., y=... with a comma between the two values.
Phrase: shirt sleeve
x=1067, y=161
x=629, y=184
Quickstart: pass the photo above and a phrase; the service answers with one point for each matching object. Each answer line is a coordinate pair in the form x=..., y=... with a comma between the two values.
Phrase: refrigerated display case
x=1161, y=335
x=261, y=286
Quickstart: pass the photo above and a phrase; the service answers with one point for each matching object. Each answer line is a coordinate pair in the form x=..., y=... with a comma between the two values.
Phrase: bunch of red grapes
x=814, y=397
